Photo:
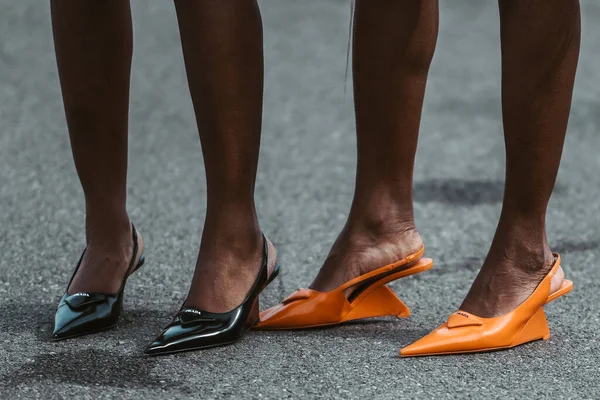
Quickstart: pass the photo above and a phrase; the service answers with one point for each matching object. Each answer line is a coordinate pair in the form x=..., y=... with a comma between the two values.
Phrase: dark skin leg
x=538, y=74
x=394, y=42
x=540, y=49
x=93, y=43
x=222, y=46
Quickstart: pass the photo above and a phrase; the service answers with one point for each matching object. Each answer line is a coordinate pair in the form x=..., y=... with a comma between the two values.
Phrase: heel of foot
x=274, y=274
x=141, y=262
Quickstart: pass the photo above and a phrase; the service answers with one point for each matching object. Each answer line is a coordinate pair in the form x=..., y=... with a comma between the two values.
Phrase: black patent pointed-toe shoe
x=194, y=329
x=84, y=313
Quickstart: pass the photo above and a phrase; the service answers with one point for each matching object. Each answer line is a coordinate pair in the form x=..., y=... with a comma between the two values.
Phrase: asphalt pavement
x=304, y=189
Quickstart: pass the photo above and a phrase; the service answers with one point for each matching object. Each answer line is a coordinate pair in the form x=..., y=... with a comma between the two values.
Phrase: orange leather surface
x=466, y=333
x=565, y=288
x=307, y=308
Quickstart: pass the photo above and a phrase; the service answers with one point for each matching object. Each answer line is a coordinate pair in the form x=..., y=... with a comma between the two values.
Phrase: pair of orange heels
x=463, y=332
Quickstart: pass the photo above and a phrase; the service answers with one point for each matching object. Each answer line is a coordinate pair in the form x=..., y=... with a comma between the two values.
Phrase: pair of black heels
x=191, y=329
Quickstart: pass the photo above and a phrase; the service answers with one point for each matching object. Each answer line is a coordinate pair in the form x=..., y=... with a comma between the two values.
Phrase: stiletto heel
x=84, y=313
x=253, y=317
x=194, y=329
x=307, y=308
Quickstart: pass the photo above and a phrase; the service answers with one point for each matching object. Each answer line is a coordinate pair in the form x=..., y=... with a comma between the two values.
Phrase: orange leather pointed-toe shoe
x=464, y=332
x=370, y=297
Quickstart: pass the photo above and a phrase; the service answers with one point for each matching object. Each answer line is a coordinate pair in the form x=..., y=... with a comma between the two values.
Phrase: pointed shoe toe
x=442, y=340
x=194, y=329
x=83, y=313
x=417, y=348
x=154, y=348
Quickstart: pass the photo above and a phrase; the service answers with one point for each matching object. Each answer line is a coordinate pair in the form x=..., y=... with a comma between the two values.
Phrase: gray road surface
x=305, y=185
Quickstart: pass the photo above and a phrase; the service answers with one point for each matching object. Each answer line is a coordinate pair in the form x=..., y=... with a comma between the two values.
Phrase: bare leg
x=540, y=48
x=93, y=41
x=222, y=46
x=394, y=41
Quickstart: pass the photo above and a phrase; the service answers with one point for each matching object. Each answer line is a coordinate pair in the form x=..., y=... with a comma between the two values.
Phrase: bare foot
x=508, y=278
x=106, y=262
x=227, y=267
x=358, y=251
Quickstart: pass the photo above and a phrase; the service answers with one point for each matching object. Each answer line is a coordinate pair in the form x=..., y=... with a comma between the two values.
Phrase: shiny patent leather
x=194, y=329
x=307, y=308
x=84, y=313
x=464, y=332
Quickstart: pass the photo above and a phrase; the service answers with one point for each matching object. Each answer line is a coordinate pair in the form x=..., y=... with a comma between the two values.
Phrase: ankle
x=108, y=229
x=238, y=235
x=375, y=231
x=377, y=228
x=526, y=253
x=382, y=216
x=392, y=195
